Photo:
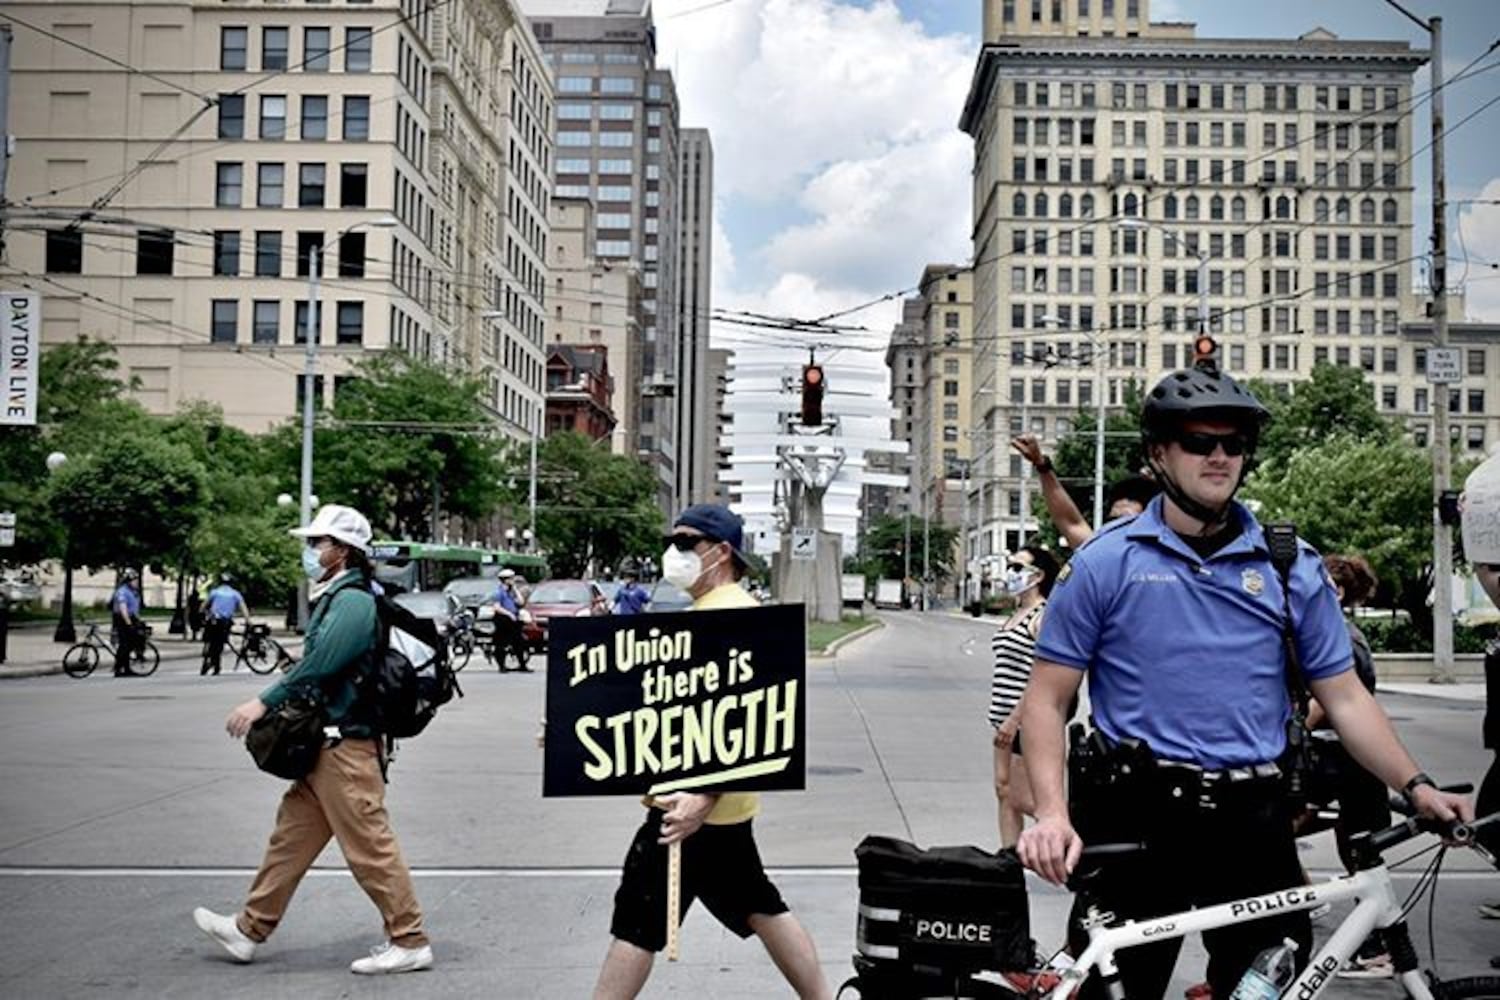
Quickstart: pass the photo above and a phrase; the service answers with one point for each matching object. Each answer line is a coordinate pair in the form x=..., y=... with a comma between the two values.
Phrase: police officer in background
x=125, y=610
x=632, y=598
x=1176, y=617
x=224, y=601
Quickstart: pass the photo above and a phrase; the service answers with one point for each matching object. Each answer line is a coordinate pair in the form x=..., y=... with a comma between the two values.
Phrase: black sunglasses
x=683, y=542
x=1199, y=443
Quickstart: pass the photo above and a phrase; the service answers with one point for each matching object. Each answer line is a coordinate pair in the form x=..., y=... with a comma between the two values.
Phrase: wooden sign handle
x=674, y=897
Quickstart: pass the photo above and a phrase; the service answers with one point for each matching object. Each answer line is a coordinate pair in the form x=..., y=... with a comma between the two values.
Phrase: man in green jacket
x=344, y=794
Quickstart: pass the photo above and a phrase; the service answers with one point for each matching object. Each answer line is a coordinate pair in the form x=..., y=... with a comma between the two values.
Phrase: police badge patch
x=1253, y=582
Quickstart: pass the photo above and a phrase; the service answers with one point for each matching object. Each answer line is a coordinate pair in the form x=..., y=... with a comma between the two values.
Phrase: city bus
x=407, y=567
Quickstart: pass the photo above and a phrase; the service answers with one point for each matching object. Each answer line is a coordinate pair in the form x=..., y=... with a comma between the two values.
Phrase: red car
x=560, y=599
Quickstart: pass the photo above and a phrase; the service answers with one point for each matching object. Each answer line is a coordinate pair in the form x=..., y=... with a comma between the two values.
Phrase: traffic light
x=1205, y=351
x=812, y=395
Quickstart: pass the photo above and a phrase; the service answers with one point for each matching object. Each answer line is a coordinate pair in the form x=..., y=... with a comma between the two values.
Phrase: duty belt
x=1183, y=781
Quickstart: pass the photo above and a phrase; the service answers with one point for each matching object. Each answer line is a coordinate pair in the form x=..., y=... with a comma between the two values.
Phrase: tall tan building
x=170, y=201
x=1128, y=174
x=597, y=302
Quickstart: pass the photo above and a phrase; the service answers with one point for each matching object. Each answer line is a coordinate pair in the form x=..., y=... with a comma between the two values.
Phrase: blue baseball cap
x=718, y=523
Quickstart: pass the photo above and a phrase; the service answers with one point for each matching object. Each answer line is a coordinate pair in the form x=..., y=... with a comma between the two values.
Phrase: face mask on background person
x=681, y=569
x=311, y=564
x=1018, y=581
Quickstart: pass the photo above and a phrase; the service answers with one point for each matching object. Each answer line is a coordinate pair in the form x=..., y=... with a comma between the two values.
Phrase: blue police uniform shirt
x=126, y=595
x=1186, y=653
x=631, y=600
x=223, y=602
x=505, y=599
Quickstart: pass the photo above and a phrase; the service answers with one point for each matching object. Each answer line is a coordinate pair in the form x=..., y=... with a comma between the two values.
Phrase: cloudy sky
x=840, y=171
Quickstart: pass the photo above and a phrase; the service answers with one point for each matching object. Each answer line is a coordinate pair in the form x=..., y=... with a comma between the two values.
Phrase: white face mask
x=1018, y=581
x=681, y=569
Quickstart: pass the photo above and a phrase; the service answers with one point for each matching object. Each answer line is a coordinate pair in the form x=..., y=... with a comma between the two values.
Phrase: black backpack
x=408, y=677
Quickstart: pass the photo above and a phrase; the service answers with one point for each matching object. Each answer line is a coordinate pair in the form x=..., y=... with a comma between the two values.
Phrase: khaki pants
x=343, y=797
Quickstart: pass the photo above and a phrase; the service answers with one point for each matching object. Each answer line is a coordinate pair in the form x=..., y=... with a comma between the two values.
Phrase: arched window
x=1320, y=210
x=1341, y=210
x=1216, y=207
x=1367, y=210
x=1132, y=206
x=1018, y=206
x=1283, y=207
x=1237, y=209
x=1064, y=206
x=1388, y=210
x=1086, y=206
x=1169, y=207
x=1039, y=205
x=1190, y=207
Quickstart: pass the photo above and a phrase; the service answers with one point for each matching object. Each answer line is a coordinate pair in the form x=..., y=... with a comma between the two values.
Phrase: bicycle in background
x=82, y=658
x=253, y=646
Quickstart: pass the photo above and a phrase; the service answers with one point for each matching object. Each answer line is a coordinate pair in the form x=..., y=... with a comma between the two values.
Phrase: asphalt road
x=124, y=805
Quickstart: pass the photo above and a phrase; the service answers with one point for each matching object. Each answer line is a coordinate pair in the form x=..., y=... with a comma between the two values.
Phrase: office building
x=1130, y=174
x=170, y=198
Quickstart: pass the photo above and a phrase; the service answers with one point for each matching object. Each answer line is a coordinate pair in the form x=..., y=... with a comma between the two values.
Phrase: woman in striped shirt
x=1029, y=575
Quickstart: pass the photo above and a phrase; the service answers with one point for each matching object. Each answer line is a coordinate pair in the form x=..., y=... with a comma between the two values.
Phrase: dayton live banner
x=20, y=348
x=701, y=700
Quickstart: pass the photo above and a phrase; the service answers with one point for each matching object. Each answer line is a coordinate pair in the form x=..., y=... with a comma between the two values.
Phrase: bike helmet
x=1199, y=393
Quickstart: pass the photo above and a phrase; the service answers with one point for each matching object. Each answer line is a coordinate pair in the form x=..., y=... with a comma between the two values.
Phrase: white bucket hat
x=343, y=524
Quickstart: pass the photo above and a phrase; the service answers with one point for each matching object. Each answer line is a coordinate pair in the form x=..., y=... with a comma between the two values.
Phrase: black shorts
x=720, y=865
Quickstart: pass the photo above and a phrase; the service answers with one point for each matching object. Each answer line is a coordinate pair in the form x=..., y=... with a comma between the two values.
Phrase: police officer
x=507, y=621
x=224, y=601
x=1176, y=617
x=125, y=610
x=632, y=598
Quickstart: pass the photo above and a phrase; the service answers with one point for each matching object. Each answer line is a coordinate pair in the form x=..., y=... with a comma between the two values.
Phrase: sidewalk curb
x=20, y=671
x=831, y=650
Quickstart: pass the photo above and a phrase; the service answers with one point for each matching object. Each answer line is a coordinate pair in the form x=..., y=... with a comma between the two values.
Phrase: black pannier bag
x=930, y=917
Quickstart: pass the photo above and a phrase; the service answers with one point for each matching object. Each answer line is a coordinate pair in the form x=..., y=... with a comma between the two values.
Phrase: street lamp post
x=64, y=631
x=311, y=330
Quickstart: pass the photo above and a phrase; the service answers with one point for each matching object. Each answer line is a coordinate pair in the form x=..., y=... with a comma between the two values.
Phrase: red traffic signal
x=812, y=395
x=1205, y=350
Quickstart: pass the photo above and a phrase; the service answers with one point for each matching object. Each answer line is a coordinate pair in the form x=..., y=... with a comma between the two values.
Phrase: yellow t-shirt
x=732, y=807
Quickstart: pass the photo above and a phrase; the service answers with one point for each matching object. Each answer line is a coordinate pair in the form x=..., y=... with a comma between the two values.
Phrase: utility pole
x=963, y=539
x=1442, y=538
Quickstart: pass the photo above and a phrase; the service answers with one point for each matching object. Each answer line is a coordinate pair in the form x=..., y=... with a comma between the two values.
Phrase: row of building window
x=266, y=322
x=1057, y=9
x=276, y=49
x=271, y=182
x=1204, y=96
x=312, y=126
x=269, y=249
x=628, y=85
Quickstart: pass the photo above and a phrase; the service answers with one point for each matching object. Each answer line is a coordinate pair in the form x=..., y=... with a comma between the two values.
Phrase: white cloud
x=840, y=120
x=1480, y=229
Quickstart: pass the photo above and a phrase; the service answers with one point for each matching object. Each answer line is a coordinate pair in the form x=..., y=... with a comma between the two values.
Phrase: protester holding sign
x=720, y=862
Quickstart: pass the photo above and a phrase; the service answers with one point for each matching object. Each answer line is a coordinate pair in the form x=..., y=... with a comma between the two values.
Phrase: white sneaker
x=225, y=931
x=388, y=958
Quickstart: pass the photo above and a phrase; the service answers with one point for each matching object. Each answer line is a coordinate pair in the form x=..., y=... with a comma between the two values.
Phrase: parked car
x=668, y=597
x=561, y=599
x=476, y=592
x=433, y=605
x=20, y=589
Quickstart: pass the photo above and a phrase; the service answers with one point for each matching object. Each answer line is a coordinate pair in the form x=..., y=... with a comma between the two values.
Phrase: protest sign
x=703, y=700
x=1481, y=516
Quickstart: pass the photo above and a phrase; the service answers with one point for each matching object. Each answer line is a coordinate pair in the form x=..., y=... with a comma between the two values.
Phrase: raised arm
x=1060, y=507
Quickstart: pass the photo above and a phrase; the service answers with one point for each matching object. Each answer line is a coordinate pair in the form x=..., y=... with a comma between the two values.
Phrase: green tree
x=1334, y=401
x=404, y=434
x=243, y=531
x=81, y=401
x=593, y=507
x=1359, y=496
x=885, y=548
x=135, y=502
